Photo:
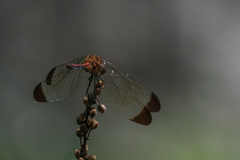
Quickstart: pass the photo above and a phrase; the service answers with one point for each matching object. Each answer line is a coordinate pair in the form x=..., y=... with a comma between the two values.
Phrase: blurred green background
x=186, y=52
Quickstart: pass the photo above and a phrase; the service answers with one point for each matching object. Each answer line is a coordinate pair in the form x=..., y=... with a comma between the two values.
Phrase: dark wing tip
x=154, y=104
x=38, y=93
x=49, y=76
x=144, y=117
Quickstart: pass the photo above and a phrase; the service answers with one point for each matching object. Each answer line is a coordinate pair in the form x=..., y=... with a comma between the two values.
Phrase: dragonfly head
x=103, y=67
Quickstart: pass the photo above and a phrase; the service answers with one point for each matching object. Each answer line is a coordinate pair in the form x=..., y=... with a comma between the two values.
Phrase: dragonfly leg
x=97, y=101
x=98, y=82
x=90, y=81
x=94, y=84
x=101, y=79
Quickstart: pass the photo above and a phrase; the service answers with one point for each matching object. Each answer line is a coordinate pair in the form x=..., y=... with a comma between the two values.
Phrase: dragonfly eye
x=103, y=67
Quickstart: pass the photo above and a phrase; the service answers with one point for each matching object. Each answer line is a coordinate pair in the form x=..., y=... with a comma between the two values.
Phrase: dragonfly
x=121, y=94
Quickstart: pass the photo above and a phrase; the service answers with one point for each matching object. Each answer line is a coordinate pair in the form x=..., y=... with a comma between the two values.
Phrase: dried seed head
x=86, y=148
x=100, y=84
x=78, y=120
x=98, y=91
x=91, y=157
x=83, y=127
x=95, y=124
x=90, y=122
x=77, y=153
x=102, y=108
x=85, y=101
x=79, y=132
x=93, y=112
x=92, y=98
x=82, y=117
x=94, y=157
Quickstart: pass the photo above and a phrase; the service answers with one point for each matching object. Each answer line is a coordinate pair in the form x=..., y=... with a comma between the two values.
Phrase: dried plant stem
x=87, y=123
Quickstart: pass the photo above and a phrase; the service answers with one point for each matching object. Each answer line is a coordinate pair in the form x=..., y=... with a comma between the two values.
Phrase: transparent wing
x=125, y=96
x=61, y=83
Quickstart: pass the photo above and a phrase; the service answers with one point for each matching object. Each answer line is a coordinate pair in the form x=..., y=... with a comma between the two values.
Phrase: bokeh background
x=186, y=52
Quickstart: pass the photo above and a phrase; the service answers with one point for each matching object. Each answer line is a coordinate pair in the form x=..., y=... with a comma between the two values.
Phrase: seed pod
x=90, y=122
x=93, y=112
x=91, y=157
x=94, y=157
x=77, y=153
x=100, y=84
x=85, y=101
x=91, y=98
x=79, y=132
x=83, y=127
x=102, y=108
x=82, y=117
x=95, y=124
x=98, y=91
x=78, y=120
x=86, y=148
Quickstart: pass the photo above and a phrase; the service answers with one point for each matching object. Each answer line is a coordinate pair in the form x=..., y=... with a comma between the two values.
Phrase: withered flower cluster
x=87, y=123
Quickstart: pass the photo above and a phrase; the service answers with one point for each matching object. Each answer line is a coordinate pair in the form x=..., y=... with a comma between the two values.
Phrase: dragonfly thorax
x=96, y=65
